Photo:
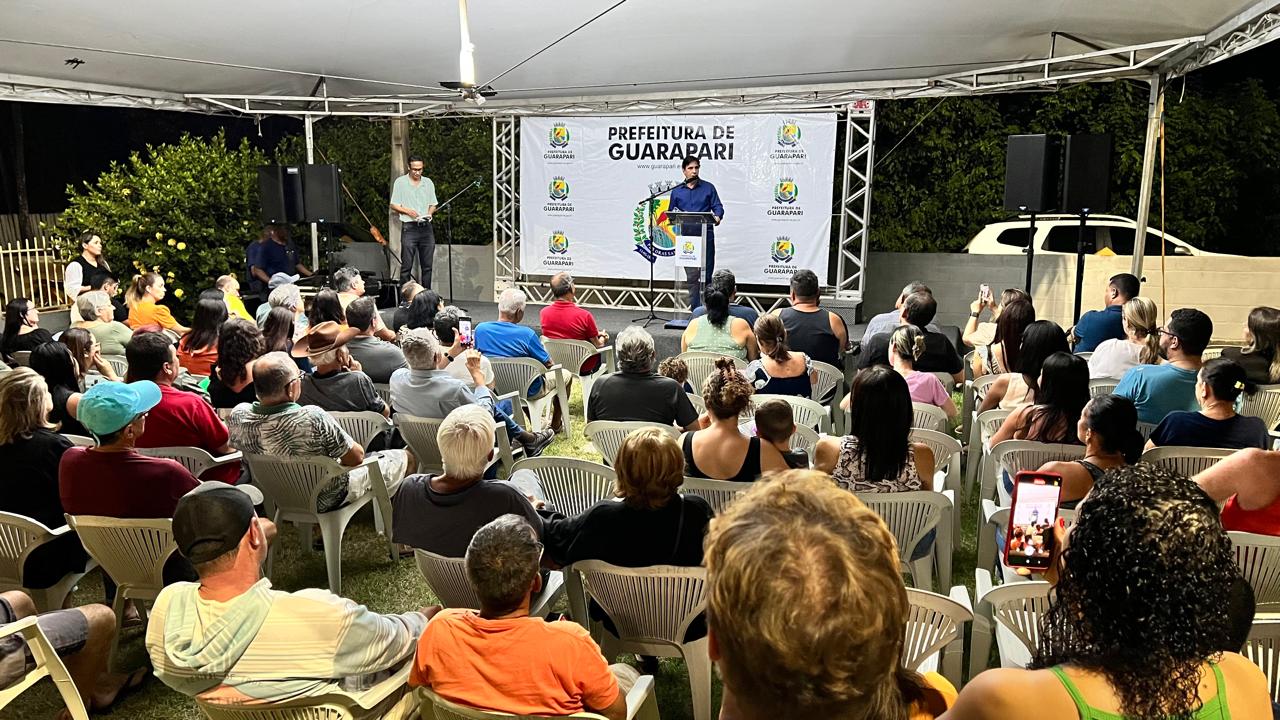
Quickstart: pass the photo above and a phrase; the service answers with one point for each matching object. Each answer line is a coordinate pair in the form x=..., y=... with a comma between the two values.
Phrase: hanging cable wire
x=555, y=42
x=909, y=132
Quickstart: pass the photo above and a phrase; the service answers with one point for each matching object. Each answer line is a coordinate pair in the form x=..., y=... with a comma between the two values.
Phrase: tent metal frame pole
x=1155, y=111
x=307, y=122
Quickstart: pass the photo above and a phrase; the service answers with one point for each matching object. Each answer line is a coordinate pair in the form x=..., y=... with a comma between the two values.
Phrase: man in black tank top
x=820, y=334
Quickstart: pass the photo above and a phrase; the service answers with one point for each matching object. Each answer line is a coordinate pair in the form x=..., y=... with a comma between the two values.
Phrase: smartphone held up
x=465, y=337
x=1029, y=538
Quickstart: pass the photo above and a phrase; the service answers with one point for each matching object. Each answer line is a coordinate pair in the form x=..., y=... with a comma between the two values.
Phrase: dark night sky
x=71, y=144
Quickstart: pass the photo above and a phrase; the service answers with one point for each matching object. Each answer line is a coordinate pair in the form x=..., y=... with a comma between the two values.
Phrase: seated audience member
x=507, y=338
x=778, y=371
x=1247, y=486
x=978, y=334
x=349, y=283
x=501, y=659
x=181, y=418
x=718, y=331
x=939, y=354
x=229, y=286
x=378, y=358
x=97, y=312
x=278, y=335
x=906, y=345
x=887, y=321
x=1140, y=346
x=840, y=555
x=22, y=329
x=721, y=451
x=1061, y=394
x=277, y=425
x=407, y=292
x=337, y=385
x=1108, y=428
x=820, y=334
x=676, y=369
x=1217, y=424
x=877, y=455
x=231, y=380
x=326, y=306
x=1132, y=639
x=422, y=310
x=81, y=637
x=1260, y=356
x=286, y=295
x=564, y=319
x=725, y=280
x=775, y=423
x=145, y=310
x=30, y=451
x=440, y=513
x=635, y=393
x=110, y=285
x=232, y=638
x=1017, y=388
x=1158, y=390
x=54, y=363
x=427, y=391
x=446, y=328
x=1000, y=356
x=1107, y=323
x=87, y=354
x=198, y=349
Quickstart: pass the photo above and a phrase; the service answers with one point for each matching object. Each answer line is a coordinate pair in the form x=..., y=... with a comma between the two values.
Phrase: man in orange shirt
x=500, y=658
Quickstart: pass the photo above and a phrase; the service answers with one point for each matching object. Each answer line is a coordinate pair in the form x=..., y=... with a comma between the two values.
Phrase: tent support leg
x=1155, y=110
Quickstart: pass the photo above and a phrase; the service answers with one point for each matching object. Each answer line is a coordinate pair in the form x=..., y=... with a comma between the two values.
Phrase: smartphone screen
x=1029, y=538
x=984, y=292
x=464, y=332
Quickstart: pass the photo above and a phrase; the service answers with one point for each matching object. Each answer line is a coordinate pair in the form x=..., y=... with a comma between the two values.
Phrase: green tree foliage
x=186, y=210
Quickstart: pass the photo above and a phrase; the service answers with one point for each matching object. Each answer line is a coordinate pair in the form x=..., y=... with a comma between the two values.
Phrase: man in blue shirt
x=507, y=338
x=724, y=281
x=275, y=252
x=1158, y=390
x=697, y=195
x=1107, y=323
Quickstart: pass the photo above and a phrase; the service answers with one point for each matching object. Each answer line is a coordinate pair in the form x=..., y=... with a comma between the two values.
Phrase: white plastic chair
x=607, y=435
x=718, y=493
x=935, y=627
x=1013, y=455
x=947, y=473
x=971, y=399
x=93, y=378
x=1101, y=386
x=983, y=426
x=80, y=440
x=571, y=485
x=1213, y=352
x=571, y=354
x=447, y=579
x=47, y=664
x=19, y=537
x=518, y=374
x=947, y=379
x=1186, y=461
x=364, y=427
x=1263, y=649
x=910, y=516
x=702, y=364
x=295, y=484
x=1011, y=613
x=829, y=390
x=1263, y=404
x=118, y=363
x=651, y=608
x=1084, y=355
x=420, y=435
x=1258, y=557
x=1145, y=429
x=995, y=517
x=195, y=460
x=642, y=704
x=367, y=705
x=384, y=392
x=928, y=417
x=805, y=412
x=698, y=403
x=133, y=553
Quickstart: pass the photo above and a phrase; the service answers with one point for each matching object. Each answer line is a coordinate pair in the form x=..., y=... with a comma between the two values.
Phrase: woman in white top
x=1001, y=354
x=1140, y=346
x=1012, y=390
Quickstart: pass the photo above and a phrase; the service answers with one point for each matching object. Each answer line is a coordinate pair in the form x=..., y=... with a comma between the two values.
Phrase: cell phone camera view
x=465, y=337
x=1035, y=507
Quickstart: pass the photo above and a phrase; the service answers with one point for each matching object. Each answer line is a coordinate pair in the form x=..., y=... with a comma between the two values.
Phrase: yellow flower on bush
x=172, y=242
x=124, y=191
x=178, y=293
x=159, y=236
x=170, y=274
x=182, y=246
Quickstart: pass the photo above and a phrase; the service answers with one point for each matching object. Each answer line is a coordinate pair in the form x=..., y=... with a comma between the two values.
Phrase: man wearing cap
x=274, y=252
x=277, y=425
x=232, y=638
x=336, y=383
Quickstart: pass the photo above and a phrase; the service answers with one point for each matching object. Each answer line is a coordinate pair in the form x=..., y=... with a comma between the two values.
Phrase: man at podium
x=697, y=195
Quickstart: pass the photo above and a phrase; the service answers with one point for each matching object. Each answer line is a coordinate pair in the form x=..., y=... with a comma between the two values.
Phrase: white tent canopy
x=387, y=56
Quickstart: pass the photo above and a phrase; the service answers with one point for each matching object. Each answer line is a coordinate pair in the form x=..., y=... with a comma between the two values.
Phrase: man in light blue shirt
x=507, y=338
x=414, y=196
x=889, y=321
x=1158, y=390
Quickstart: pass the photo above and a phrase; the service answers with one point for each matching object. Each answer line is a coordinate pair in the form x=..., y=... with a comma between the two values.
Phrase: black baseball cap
x=211, y=519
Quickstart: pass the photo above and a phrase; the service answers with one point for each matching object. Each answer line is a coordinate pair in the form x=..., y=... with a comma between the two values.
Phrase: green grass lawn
x=368, y=576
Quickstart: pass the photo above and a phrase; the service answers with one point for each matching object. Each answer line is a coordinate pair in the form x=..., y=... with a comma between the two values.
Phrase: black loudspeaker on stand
x=1086, y=188
x=1031, y=183
x=280, y=187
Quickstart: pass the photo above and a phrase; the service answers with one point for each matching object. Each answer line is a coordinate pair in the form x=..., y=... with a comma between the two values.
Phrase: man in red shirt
x=181, y=419
x=564, y=319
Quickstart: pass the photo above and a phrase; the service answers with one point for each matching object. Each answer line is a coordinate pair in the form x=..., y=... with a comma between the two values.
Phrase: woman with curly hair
x=231, y=382
x=720, y=451
x=1136, y=627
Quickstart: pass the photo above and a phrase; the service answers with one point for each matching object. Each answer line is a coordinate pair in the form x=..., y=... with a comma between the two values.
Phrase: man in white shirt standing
x=413, y=195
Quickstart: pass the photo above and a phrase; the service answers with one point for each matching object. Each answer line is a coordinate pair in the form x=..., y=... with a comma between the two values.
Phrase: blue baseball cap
x=109, y=406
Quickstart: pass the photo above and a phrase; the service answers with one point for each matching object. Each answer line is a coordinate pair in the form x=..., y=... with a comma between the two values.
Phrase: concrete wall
x=1225, y=288
x=472, y=268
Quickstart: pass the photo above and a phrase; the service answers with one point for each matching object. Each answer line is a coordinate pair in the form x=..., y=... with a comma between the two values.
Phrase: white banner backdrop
x=582, y=180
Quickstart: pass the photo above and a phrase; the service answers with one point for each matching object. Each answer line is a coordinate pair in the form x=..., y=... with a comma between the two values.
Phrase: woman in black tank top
x=1108, y=428
x=727, y=394
x=90, y=265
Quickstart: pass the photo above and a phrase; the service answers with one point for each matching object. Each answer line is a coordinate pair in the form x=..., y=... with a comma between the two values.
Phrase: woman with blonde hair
x=143, y=299
x=1260, y=356
x=779, y=370
x=719, y=451
x=1140, y=346
x=906, y=345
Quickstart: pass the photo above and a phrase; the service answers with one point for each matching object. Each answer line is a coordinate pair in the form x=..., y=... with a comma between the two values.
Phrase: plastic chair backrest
x=651, y=604
x=1258, y=557
x=698, y=403
x=517, y=374
x=1019, y=607
x=80, y=440
x=195, y=460
x=21, y=358
x=947, y=379
x=1187, y=461
x=719, y=493
x=294, y=484
x=1263, y=649
x=384, y=392
x=991, y=420
x=46, y=664
x=19, y=536
x=980, y=386
x=607, y=435
x=702, y=364
x=572, y=486
x=806, y=413
x=1263, y=404
x=1015, y=455
x=1212, y=352
x=133, y=552
x=928, y=417
x=364, y=426
x=420, y=435
x=1101, y=386
x=933, y=622
x=119, y=363
x=570, y=354
x=909, y=515
x=830, y=384
x=447, y=579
